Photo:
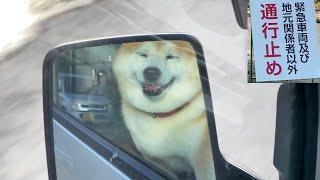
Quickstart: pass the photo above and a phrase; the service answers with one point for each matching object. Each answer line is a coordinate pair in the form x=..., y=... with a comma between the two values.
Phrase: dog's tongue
x=153, y=87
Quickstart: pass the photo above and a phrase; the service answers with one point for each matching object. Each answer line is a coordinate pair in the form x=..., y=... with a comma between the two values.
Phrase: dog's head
x=157, y=76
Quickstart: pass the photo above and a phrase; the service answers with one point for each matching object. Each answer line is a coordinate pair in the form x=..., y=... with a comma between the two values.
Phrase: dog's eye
x=172, y=57
x=142, y=54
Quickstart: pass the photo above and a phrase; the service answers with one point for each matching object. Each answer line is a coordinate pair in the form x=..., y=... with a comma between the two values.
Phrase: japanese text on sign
x=283, y=49
x=269, y=16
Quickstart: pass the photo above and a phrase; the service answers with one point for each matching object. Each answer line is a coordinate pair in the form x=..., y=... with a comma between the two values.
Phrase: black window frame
x=223, y=168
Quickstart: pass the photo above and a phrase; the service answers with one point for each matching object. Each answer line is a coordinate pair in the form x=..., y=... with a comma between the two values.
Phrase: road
x=245, y=114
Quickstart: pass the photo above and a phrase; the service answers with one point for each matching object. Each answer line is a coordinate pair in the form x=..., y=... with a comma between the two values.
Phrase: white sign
x=285, y=41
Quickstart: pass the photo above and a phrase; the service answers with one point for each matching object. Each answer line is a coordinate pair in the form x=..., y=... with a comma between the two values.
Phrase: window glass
x=146, y=98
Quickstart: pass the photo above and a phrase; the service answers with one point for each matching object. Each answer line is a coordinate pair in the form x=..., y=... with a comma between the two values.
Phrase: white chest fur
x=174, y=139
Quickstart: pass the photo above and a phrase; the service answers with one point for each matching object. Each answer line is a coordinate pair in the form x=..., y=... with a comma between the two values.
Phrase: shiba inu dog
x=163, y=105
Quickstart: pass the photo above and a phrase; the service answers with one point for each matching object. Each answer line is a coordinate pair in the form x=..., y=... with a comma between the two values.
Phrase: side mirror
x=241, y=12
x=149, y=116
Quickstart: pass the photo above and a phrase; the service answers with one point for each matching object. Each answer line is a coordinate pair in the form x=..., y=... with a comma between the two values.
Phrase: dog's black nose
x=152, y=74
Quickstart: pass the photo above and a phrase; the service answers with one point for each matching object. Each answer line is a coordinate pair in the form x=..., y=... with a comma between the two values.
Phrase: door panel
x=77, y=161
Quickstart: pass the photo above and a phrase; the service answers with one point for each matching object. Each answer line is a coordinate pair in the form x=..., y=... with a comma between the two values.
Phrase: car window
x=144, y=97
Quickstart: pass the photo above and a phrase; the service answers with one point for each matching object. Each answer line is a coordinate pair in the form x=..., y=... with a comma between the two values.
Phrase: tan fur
x=179, y=142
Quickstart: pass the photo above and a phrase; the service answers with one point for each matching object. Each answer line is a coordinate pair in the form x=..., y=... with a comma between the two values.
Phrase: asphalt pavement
x=244, y=113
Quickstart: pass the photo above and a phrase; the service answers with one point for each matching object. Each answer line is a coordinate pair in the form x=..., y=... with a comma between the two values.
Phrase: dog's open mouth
x=155, y=89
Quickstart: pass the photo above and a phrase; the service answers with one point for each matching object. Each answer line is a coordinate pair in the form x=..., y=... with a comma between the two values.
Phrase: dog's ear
x=185, y=48
x=129, y=48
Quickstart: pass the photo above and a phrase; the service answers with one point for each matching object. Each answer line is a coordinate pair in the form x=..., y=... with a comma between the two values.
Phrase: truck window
x=139, y=101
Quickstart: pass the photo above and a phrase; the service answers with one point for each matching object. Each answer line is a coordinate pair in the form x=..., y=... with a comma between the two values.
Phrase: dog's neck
x=170, y=113
x=173, y=112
